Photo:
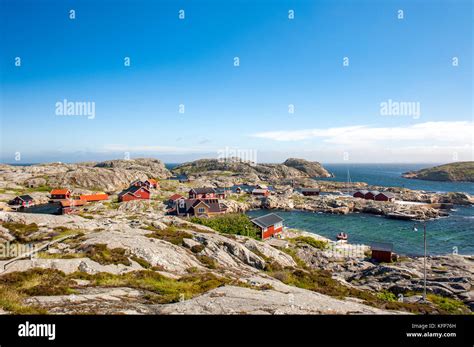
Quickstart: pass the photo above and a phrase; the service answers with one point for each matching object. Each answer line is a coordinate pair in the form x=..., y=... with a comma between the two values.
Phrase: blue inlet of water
x=444, y=235
x=390, y=175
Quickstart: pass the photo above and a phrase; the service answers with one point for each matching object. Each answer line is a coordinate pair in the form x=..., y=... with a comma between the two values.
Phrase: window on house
x=201, y=210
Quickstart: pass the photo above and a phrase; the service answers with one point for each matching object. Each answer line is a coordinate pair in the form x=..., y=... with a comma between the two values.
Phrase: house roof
x=94, y=197
x=387, y=194
x=60, y=192
x=256, y=191
x=132, y=190
x=175, y=197
x=203, y=190
x=213, y=205
x=69, y=203
x=382, y=246
x=25, y=197
x=152, y=181
x=267, y=220
x=374, y=192
x=363, y=191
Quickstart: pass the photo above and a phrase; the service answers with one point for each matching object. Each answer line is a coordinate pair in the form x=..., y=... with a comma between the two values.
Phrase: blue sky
x=300, y=62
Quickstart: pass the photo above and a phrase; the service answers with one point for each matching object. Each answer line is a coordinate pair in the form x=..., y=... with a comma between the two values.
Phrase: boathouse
x=270, y=225
x=385, y=196
x=310, y=191
x=382, y=251
x=360, y=194
x=371, y=195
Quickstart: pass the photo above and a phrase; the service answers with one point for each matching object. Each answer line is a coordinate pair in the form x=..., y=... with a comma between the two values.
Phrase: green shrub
x=36, y=282
x=105, y=256
x=319, y=244
x=143, y=263
x=170, y=234
x=197, y=248
x=165, y=290
x=230, y=223
x=448, y=305
x=22, y=232
x=207, y=261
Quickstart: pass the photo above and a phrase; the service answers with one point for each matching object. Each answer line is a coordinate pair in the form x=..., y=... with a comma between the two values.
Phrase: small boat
x=342, y=236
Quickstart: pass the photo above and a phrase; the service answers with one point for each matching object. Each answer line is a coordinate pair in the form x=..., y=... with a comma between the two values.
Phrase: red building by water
x=270, y=225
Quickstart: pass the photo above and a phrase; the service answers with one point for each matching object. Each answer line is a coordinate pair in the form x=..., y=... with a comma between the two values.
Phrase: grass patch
x=170, y=234
x=38, y=282
x=231, y=223
x=163, y=289
x=46, y=255
x=207, y=261
x=22, y=232
x=106, y=256
x=319, y=244
x=11, y=301
x=448, y=305
x=142, y=262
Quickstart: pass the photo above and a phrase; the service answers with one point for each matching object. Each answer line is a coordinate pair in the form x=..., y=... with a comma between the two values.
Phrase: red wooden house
x=22, y=200
x=385, y=196
x=260, y=192
x=134, y=193
x=360, y=194
x=382, y=252
x=60, y=194
x=151, y=183
x=270, y=225
x=202, y=193
x=371, y=195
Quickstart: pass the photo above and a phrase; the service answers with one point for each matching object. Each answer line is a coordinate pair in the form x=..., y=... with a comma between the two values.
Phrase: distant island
x=456, y=172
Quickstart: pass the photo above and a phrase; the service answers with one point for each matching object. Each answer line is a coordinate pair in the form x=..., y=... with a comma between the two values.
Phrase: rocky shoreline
x=115, y=251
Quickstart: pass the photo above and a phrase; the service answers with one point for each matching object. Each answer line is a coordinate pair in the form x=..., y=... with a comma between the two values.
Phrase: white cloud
x=459, y=133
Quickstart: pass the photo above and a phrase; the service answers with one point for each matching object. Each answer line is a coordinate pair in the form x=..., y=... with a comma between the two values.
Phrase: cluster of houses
x=258, y=190
x=138, y=190
x=208, y=202
x=374, y=195
x=61, y=201
x=200, y=202
x=69, y=203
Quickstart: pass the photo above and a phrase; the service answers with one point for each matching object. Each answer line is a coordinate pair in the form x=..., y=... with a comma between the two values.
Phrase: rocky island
x=116, y=256
x=455, y=172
